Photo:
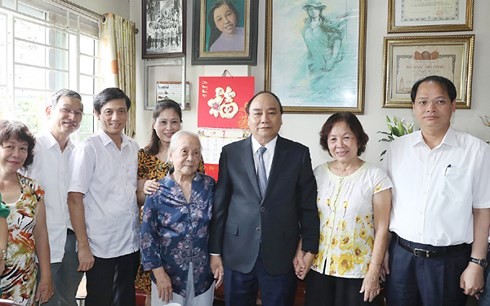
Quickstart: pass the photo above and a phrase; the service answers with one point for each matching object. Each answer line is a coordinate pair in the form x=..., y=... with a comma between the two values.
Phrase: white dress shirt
x=51, y=169
x=107, y=177
x=268, y=154
x=435, y=190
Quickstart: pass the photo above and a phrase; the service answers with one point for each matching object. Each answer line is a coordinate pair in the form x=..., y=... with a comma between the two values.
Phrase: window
x=45, y=46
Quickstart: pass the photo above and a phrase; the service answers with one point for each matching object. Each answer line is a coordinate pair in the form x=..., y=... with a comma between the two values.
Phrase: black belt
x=429, y=251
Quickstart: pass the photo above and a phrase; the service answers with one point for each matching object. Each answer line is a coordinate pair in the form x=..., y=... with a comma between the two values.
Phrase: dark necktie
x=261, y=173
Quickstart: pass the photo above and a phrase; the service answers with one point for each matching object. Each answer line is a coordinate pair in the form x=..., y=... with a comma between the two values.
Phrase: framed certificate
x=408, y=59
x=429, y=15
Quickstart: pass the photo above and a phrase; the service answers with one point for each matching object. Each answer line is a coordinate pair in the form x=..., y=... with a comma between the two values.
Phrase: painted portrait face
x=225, y=19
x=313, y=12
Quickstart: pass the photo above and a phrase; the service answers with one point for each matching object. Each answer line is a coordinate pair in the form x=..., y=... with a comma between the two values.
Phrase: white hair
x=175, y=139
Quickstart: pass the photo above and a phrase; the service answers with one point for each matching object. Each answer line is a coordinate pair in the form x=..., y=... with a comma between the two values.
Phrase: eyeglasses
x=68, y=111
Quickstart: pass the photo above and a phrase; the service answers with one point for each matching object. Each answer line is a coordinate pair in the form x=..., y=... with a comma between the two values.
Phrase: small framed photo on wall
x=225, y=32
x=163, y=28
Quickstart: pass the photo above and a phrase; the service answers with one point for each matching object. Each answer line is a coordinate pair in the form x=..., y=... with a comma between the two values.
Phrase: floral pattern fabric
x=347, y=220
x=18, y=280
x=174, y=232
x=151, y=168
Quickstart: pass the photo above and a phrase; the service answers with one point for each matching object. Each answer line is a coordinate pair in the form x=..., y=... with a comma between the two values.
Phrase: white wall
x=119, y=7
x=305, y=127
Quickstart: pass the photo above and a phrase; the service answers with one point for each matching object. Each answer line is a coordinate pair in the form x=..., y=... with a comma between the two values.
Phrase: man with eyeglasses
x=441, y=205
x=51, y=169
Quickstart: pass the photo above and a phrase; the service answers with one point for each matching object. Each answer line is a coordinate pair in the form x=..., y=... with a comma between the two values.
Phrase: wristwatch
x=481, y=262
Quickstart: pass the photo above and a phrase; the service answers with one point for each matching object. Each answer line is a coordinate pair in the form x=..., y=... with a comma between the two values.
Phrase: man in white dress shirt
x=102, y=204
x=51, y=169
x=441, y=205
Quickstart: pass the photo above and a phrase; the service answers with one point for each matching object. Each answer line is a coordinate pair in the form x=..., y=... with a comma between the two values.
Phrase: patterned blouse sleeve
x=201, y=167
x=143, y=171
x=149, y=242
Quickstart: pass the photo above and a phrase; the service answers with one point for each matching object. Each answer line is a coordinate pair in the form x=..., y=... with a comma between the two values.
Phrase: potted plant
x=397, y=127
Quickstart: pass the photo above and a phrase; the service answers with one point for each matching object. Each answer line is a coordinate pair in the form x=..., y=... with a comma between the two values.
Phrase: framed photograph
x=408, y=59
x=317, y=64
x=170, y=90
x=163, y=28
x=429, y=16
x=225, y=32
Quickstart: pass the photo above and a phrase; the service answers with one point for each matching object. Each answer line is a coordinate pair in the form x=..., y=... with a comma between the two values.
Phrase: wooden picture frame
x=410, y=58
x=164, y=28
x=436, y=16
x=235, y=43
x=311, y=73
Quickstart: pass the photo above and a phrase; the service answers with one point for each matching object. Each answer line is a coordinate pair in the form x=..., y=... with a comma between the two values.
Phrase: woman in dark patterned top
x=153, y=164
x=174, y=232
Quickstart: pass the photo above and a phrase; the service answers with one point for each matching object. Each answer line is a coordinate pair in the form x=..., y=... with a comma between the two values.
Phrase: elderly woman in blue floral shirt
x=174, y=232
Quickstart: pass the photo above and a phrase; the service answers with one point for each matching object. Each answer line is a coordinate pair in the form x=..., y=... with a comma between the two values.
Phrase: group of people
x=419, y=224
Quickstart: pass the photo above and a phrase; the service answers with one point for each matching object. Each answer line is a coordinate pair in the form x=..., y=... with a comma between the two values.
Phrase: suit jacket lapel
x=250, y=164
x=277, y=161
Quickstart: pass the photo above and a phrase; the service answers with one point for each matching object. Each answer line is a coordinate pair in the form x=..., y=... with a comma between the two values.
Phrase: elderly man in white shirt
x=102, y=204
x=51, y=169
x=441, y=205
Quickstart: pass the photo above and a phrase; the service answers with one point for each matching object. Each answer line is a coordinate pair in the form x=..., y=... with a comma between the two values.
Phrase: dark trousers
x=110, y=282
x=424, y=281
x=325, y=290
x=275, y=290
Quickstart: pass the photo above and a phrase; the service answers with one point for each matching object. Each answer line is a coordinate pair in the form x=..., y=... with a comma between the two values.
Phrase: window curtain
x=118, y=46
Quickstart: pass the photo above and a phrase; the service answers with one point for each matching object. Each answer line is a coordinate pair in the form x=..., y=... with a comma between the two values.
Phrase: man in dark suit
x=259, y=218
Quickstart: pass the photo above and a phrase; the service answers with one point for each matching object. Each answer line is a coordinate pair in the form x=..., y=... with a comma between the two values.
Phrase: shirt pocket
x=457, y=184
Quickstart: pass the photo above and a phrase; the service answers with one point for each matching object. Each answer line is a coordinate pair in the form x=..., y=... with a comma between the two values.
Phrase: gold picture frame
x=405, y=16
x=305, y=70
x=410, y=58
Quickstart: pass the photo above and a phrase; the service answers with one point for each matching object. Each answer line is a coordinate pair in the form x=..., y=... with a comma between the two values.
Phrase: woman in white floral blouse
x=354, y=204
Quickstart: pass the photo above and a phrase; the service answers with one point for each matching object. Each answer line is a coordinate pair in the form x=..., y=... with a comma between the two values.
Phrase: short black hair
x=109, y=94
x=247, y=106
x=445, y=83
x=19, y=131
x=354, y=124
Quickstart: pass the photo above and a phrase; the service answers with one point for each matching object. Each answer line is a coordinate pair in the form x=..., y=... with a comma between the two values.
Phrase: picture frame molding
x=202, y=57
x=144, y=52
x=394, y=27
x=359, y=108
x=463, y=98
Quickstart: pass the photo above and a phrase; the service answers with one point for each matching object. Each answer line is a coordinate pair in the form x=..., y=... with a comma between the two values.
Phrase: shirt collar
x=449, y=139
x=52, y=142
x=270, y=146
x=107, y=140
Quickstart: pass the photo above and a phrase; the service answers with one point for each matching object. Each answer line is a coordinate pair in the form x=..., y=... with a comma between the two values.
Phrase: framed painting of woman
x=225, y=32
